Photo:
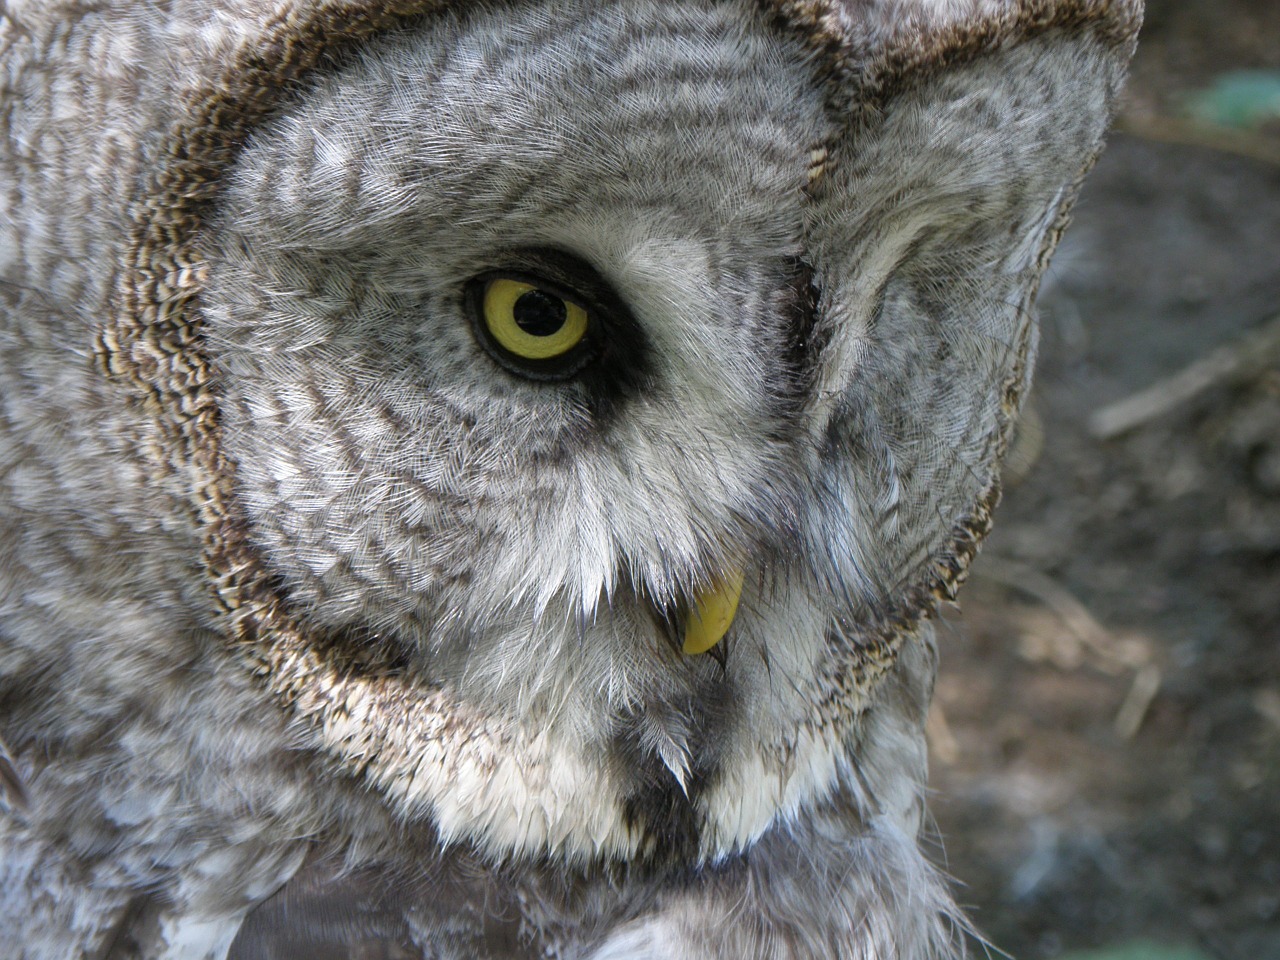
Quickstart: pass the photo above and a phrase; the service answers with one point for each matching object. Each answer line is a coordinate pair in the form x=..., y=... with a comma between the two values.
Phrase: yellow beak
x=712, y=613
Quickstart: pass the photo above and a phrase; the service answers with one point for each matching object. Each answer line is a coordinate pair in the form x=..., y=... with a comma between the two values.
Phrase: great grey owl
x=475, y=477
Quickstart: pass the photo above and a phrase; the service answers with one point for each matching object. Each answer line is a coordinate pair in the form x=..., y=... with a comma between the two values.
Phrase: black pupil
x=539, y=314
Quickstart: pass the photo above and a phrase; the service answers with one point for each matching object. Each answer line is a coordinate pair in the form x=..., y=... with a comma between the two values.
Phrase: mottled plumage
x=331, y=624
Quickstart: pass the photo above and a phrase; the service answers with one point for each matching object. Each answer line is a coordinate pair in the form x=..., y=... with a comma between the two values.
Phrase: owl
x=475, y=478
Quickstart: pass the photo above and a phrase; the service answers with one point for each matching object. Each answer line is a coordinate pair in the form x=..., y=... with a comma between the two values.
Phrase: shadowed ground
x=1106, y=738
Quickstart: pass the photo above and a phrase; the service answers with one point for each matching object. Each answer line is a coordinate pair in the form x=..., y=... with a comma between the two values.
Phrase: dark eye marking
x=547, y=315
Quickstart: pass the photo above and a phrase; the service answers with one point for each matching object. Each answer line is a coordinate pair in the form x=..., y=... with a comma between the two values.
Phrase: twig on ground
x=1089, y=633
x=1077, y=618
x=1190, y=133
x=1146, y=684
x=1267, y=702
x=942, y=742
x=1234, y=362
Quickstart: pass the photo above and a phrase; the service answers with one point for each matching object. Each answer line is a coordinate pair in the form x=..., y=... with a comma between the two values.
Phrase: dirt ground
x=1106, y=734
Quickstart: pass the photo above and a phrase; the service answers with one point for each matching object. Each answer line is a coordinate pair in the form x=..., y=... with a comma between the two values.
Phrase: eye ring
x=531, y=326
x=530, y=321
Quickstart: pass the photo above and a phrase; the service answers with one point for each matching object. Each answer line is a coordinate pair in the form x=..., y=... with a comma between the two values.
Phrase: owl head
x=585, y=404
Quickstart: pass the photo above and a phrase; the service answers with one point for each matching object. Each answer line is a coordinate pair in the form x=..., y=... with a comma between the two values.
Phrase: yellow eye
x=531, y=322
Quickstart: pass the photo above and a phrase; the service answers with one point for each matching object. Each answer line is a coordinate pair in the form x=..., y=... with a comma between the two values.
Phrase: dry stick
x=942, y=742
x=1188, y=133
x=1146, y=684
x=1267, y=702
x=1092, y=634
x=1234, y=362
x=1074, y=614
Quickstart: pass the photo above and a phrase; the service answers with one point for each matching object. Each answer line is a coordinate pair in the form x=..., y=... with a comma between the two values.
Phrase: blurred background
x=1106, y=734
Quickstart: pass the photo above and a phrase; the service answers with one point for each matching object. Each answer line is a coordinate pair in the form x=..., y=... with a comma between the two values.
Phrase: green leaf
x=1138, y=950
x=1242, y=98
